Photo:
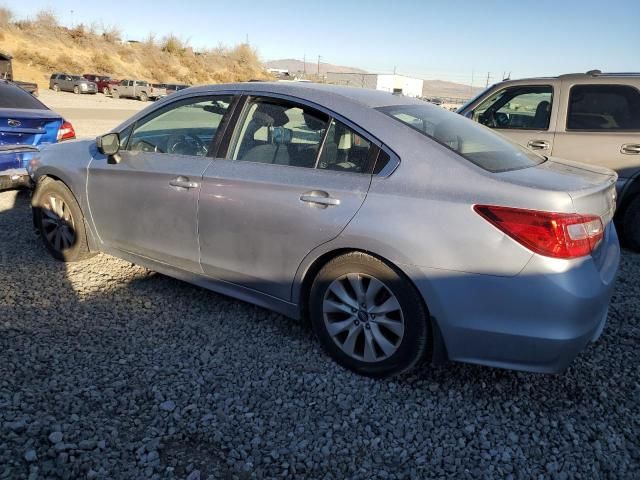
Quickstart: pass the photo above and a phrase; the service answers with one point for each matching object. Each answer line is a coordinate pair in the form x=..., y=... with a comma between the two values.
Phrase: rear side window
x=472, y=141
x=344, y=150
x=603, y=107
x=14, y=97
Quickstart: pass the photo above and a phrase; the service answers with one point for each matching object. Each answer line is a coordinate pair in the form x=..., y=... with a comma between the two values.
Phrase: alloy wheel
x=363, y=317
x=58, y=225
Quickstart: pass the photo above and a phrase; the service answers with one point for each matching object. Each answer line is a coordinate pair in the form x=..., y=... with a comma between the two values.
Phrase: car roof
x=582, y=76
x=317, y=92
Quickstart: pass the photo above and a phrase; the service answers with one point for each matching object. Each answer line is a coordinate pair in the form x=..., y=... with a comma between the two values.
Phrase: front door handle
x=538, y=144
x=319, y=198
x=183, y=183
x=630, y=149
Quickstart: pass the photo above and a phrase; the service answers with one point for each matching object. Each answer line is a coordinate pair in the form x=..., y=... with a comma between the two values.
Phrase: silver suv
x=591, y=117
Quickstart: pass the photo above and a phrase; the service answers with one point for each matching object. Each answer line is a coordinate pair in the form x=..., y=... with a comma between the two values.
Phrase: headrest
x=262, y=118
x=314, y=123
x=282, y=135
x=345, y=141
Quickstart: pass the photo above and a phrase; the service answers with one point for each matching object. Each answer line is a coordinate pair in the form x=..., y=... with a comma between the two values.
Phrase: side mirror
x=108, y=144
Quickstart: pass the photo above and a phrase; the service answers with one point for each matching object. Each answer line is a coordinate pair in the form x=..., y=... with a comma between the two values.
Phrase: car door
x=524, y=113
x=600, y=125
x=146, y=203
x=292, y=179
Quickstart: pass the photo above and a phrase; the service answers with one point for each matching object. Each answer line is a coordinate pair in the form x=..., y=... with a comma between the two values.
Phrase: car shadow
x=108, y=342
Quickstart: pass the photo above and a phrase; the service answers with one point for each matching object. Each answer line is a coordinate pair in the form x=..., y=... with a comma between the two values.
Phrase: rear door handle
x=319, y=198
x=630, y=148
x=538, y=144
x=183, y=183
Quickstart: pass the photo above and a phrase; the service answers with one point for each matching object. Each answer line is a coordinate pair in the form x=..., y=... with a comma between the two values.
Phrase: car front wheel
x=59, y=220
x=368, y=316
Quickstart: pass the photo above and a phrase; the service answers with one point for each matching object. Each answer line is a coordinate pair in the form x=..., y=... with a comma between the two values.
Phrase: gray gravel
x=110, y=371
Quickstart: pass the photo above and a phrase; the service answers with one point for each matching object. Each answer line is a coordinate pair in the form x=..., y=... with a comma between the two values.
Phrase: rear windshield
x=12, y=96
x=476, y=143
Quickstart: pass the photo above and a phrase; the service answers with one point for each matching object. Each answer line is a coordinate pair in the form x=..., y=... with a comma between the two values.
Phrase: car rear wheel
x=105, y=91
x=115, y=94
x=56, y=88
x=144, y=97
x=60, y=222
x=368, y=316
x=631, y=224
x=76, y=90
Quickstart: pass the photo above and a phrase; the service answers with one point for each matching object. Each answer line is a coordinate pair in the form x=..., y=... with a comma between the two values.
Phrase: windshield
x=472, y=141
x=12, y=96
x=77, y=77
x=469, y=102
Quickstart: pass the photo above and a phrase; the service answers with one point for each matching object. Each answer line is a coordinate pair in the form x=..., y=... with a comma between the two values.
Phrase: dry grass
x=41, y=46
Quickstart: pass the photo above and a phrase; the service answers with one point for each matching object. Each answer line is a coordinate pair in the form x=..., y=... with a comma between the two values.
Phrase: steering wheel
x=187, y=144
x=144, y=146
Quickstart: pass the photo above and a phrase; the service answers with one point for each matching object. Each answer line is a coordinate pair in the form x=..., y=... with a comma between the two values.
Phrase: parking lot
x=111, y=371
x=91, y=115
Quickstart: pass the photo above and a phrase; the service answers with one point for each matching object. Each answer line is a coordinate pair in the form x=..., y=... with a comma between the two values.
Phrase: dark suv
x=71, y=83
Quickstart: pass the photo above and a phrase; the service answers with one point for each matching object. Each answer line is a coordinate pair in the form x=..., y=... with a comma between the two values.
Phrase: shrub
x=46, y=20
x=102, y=63
x=65, y=63
x=6, y=16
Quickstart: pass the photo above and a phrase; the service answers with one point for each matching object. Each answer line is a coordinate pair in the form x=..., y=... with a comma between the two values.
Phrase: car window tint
x=603, y=107
x=12, y=96
x=344, y=150
x=517, y=108
x=185, y=128
x=281, y=134
x=472, y=141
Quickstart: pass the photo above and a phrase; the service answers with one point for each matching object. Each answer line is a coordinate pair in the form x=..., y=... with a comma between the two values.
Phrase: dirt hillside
x=42, y=46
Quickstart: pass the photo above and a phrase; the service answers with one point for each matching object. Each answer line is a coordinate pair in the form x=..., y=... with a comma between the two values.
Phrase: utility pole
x=488, y=77
x=319, y=57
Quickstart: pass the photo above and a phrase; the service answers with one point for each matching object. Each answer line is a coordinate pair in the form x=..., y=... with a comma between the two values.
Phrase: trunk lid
x=28, y=127
x=592, y=189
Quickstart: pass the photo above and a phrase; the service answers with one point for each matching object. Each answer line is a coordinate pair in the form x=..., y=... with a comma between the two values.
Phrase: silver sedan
x=403, y=232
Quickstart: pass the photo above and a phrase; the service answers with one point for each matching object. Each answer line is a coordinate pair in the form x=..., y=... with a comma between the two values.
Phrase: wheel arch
x=302, y=290
x=55, y=176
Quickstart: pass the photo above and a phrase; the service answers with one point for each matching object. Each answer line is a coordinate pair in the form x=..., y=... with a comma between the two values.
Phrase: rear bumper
x=13, y=179
x=537, y=321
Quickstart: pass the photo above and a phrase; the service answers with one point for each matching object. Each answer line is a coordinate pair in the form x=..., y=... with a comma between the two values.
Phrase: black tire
x=144, y=97
x=71, y=244
x=56, y=88
x=105, y=91
x=115, y=94
x=631, y=224
x=76, y=90
x=414, y=344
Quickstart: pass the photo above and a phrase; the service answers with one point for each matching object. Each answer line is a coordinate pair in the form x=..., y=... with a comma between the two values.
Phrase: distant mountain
x=295, y=66
x=431, y=88
x=441, y=88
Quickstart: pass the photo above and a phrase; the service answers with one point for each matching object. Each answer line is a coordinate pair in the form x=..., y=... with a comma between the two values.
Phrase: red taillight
x=558, y=235
x=66, y=132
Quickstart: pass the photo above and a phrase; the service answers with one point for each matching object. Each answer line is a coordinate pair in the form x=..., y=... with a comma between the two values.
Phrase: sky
x=456, y=40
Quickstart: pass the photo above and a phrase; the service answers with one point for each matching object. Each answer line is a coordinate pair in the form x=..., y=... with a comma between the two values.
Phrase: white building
x=393, y=83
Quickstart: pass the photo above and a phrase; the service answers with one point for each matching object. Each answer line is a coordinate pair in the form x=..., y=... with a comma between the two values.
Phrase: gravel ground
x=110, y=371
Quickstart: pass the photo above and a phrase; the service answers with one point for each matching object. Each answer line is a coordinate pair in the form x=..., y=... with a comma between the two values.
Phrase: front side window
x=280, y=133
x=474, y=142
x=603, y=107
x=185, y=128
x=517, y=108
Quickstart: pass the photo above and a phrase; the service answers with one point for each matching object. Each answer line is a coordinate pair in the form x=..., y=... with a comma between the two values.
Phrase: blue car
x=25, y=124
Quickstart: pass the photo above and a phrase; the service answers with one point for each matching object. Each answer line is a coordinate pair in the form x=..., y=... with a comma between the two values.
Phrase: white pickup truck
x=139, y=89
